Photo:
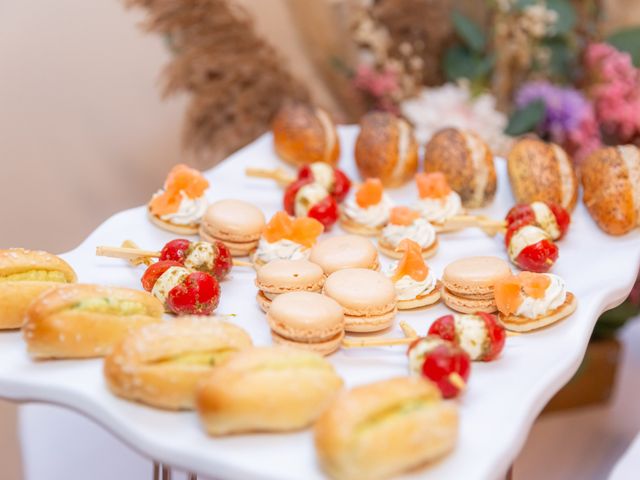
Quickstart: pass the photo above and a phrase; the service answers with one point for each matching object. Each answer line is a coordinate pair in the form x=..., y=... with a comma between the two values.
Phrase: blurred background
x=100, y=100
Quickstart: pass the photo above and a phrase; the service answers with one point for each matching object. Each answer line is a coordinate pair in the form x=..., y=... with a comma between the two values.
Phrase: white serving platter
x=503, y=398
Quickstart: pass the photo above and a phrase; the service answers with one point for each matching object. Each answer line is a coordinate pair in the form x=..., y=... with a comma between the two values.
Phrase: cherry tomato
x=198, y=294
x=513, y=228
x=538, y=257
x=445, y=365
x=444, y=327
x=175, y=250
x=325, y=211
x=563, y=218
x=523, y=212
x=222, y=262
x=496, y=334
x=289, y=200
x=154, y=271
x=341, y=185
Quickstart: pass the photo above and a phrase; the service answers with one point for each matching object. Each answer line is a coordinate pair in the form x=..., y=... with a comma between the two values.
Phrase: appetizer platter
x=364, y=292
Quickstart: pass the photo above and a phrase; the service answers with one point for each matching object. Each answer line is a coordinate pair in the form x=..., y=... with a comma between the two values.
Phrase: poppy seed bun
x=161, y=364
x=382, y=429
x=304, y=134
x=467, y=163
x=611, y=182
x=84, y=321
x=541, y=171
x=266, y=390
x=386, y=149
x=24, y=275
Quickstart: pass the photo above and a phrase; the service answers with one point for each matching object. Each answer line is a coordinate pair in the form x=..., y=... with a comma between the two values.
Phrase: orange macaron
x=306, y=320
x=284, y=276
x=345, y=251
x=235, y=223
x=368, y=298
x=468, y=283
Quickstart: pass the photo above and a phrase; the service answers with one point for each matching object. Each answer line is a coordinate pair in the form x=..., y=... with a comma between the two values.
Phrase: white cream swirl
x=554, y=296
x=420, y=231
x=280, y=250
x=189, y=212
x=373, y=216
x=407, y=288
x=437, y=210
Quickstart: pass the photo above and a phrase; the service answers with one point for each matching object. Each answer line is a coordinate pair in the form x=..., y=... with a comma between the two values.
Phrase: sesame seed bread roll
x=83, y=321
x=24, y=275
x=160, y=364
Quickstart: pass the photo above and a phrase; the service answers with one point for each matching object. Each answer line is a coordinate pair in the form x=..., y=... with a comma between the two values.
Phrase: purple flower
x=565, y=107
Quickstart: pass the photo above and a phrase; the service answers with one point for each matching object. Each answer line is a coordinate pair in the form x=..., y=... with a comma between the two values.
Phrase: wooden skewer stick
x=136, y=255
x=280, y=176
x=408, y=330
x=488, y=225
x=376, y=342
x=136, y=260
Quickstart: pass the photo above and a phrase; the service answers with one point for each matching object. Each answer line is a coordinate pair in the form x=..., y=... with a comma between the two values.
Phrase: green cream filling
x=399, y=409
x=205, y=359
x=110, y=306
x=35, y=276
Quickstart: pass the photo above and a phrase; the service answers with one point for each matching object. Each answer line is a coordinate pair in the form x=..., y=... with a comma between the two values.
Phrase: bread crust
x=535, y=173
x=608, y=193
x=138, y=368
x=365, y=434
x=447, y=152
x=377, y=150
x=299, y=136
x=17, y=295
x=57, y=327
x=266, y=390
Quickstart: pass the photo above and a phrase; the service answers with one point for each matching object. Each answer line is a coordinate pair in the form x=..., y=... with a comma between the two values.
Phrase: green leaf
x=627, y=40
x=566, y=16
x=562, y=59
x=469, y=32
x=525, y=119
x=460, y=62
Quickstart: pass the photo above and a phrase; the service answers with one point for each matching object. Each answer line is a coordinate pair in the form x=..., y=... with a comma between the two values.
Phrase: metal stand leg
x=163, y=472
x=156, y=471
x=192, y=476
x=166, y=472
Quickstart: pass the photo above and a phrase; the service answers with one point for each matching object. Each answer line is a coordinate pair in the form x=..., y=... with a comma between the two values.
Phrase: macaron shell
x=474, y=276
x=361, y=292
x=324, y=347
x=344, y=251
x=516, y=323
x=280, y=276
x=369, y=323
x=468, y=305
x=236, y=249
x=305, y=316
x=233, y=220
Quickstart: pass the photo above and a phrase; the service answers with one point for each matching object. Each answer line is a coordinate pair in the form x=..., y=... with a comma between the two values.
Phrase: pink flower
x=376, y=83
x=615, y=89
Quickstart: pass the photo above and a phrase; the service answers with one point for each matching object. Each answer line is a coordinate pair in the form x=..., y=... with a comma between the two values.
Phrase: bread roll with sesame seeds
x=83, y=321
x=611, y=182
x=541, y=171
x=25, y=274
x=161, y=364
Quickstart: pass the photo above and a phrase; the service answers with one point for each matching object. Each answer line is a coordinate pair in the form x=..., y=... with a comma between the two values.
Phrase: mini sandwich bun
x=305, y=134
x=541, y=171
x=24, y=275
x=386, y=149
x=82, y=321
x=611, y=181
x=385, y=428
x=266, y=390
x=467, y=162
x=160, y=364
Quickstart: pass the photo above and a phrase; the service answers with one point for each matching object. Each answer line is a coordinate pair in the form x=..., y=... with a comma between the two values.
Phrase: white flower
x=452, y=105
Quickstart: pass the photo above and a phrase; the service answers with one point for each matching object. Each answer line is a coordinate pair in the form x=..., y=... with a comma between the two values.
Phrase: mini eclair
x=25, y=274
x=83, y=321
